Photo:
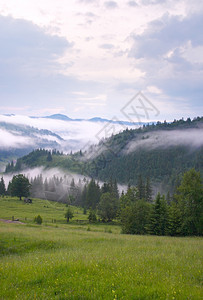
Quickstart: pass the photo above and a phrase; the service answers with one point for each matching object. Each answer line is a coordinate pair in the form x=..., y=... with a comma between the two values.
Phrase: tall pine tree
x=2, y=187
x=159, y=217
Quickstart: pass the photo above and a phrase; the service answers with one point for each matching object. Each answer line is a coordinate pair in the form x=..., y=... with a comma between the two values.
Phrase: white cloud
x=83, y=46
x=12, y=140
x=191, y=138
x=165, y=52
x=75, y=134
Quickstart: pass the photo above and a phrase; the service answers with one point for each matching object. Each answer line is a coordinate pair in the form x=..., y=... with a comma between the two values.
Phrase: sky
x=91, y=58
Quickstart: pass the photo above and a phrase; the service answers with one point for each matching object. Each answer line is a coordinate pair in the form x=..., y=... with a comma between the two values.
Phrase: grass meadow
x=57, y=260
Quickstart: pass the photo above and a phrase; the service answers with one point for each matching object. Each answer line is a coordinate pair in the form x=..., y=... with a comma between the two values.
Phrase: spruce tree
x=174, y=220
x=190, y=200
x=159, y=217
x=49, y=157
x=93, y=194
x=148, y=191
x=2, y=187
x=107, y=208
x=20, y=186
x=92, y=216
x=141, y=188
x=69, y=214
x=115, y=192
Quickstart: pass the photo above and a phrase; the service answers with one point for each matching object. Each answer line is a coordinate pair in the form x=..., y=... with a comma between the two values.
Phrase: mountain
x=19, y=140
x=161, y=152
x=20, y=135
x=94, y=120
x=59, y=117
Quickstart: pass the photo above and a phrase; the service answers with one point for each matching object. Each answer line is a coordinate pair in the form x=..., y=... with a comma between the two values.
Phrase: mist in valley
x=190, y=138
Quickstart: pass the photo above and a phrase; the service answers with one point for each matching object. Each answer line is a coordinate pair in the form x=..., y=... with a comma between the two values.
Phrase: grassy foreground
x=71, y=262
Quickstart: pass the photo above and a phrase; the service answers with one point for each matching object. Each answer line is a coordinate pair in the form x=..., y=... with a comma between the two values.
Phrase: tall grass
x=69, y=262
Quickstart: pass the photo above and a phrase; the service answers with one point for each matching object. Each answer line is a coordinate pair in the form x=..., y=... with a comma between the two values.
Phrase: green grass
x=70, y=262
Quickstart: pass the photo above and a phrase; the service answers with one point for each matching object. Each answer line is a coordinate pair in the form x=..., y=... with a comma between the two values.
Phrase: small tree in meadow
x=2, y=187
x=107, y=208
x=92, y=216
x=20, y=186
x=69, y=214
x=38, y=220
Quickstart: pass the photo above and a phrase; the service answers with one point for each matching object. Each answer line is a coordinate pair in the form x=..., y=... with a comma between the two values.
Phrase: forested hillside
x=161, y=152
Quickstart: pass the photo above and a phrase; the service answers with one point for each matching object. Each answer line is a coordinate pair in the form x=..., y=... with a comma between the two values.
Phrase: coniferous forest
x=163, y=192
x=138, y=212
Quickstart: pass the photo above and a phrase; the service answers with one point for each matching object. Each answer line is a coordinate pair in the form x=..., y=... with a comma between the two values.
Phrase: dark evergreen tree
x=141, y=188
x=132, y=194
x=190, y=200
x=69, y=214
x=93, y=194
x=105, y=188
x=49, y=156
x=84, y=197
x=18, y=165
x=148, y=191
x=159, y=217
x=20, y=186
x=174, y=220
x=92, y=216
x=115, y=191
x=2, y=187
x=107, y=208
x=8, y=192
x=168, y=198
x=135, y=217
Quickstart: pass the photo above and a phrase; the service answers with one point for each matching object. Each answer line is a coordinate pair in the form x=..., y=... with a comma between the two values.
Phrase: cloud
x=111, y=4
x=167, y=34
x=12, y=140
x=75, y=134
x=164, y=52
x=40, y=70
x=132, y=3
x=90, y=14
x=88, y=1
x=31, y=71
x=151, y=2
x=25, y=46
x=192, y=138
x=107, y=46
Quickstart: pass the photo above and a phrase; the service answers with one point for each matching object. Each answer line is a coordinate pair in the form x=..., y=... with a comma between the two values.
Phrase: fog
x=14, y=140
x=192, y=138
x=46, y=173
x=76, y=134
x=62, y=188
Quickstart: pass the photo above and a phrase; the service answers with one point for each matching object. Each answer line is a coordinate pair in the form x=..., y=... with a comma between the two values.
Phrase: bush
x=38, y=220
x=69, y=214
x=92, y=216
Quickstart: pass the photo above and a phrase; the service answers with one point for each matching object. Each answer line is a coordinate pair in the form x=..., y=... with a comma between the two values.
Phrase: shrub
x=38, y=220
x=92, y=216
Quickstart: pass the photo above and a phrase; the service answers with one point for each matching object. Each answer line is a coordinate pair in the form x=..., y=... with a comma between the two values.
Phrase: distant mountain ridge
x=20, y=134
x=161, y=152
x=26, y=139
x=95, y=119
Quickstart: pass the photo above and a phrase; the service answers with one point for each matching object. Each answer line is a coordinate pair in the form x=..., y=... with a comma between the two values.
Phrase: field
x=57, y=260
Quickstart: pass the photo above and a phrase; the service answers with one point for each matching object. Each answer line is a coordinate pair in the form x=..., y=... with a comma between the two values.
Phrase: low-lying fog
x=75, y=134
x=192, y=138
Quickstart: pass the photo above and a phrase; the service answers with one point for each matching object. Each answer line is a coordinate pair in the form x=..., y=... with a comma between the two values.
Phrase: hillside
x=18, y=140
x=90, y=261
x=20, y=134
x=161, y=152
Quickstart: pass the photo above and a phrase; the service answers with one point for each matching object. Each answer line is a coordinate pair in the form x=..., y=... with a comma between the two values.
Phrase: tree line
x=180, y=214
